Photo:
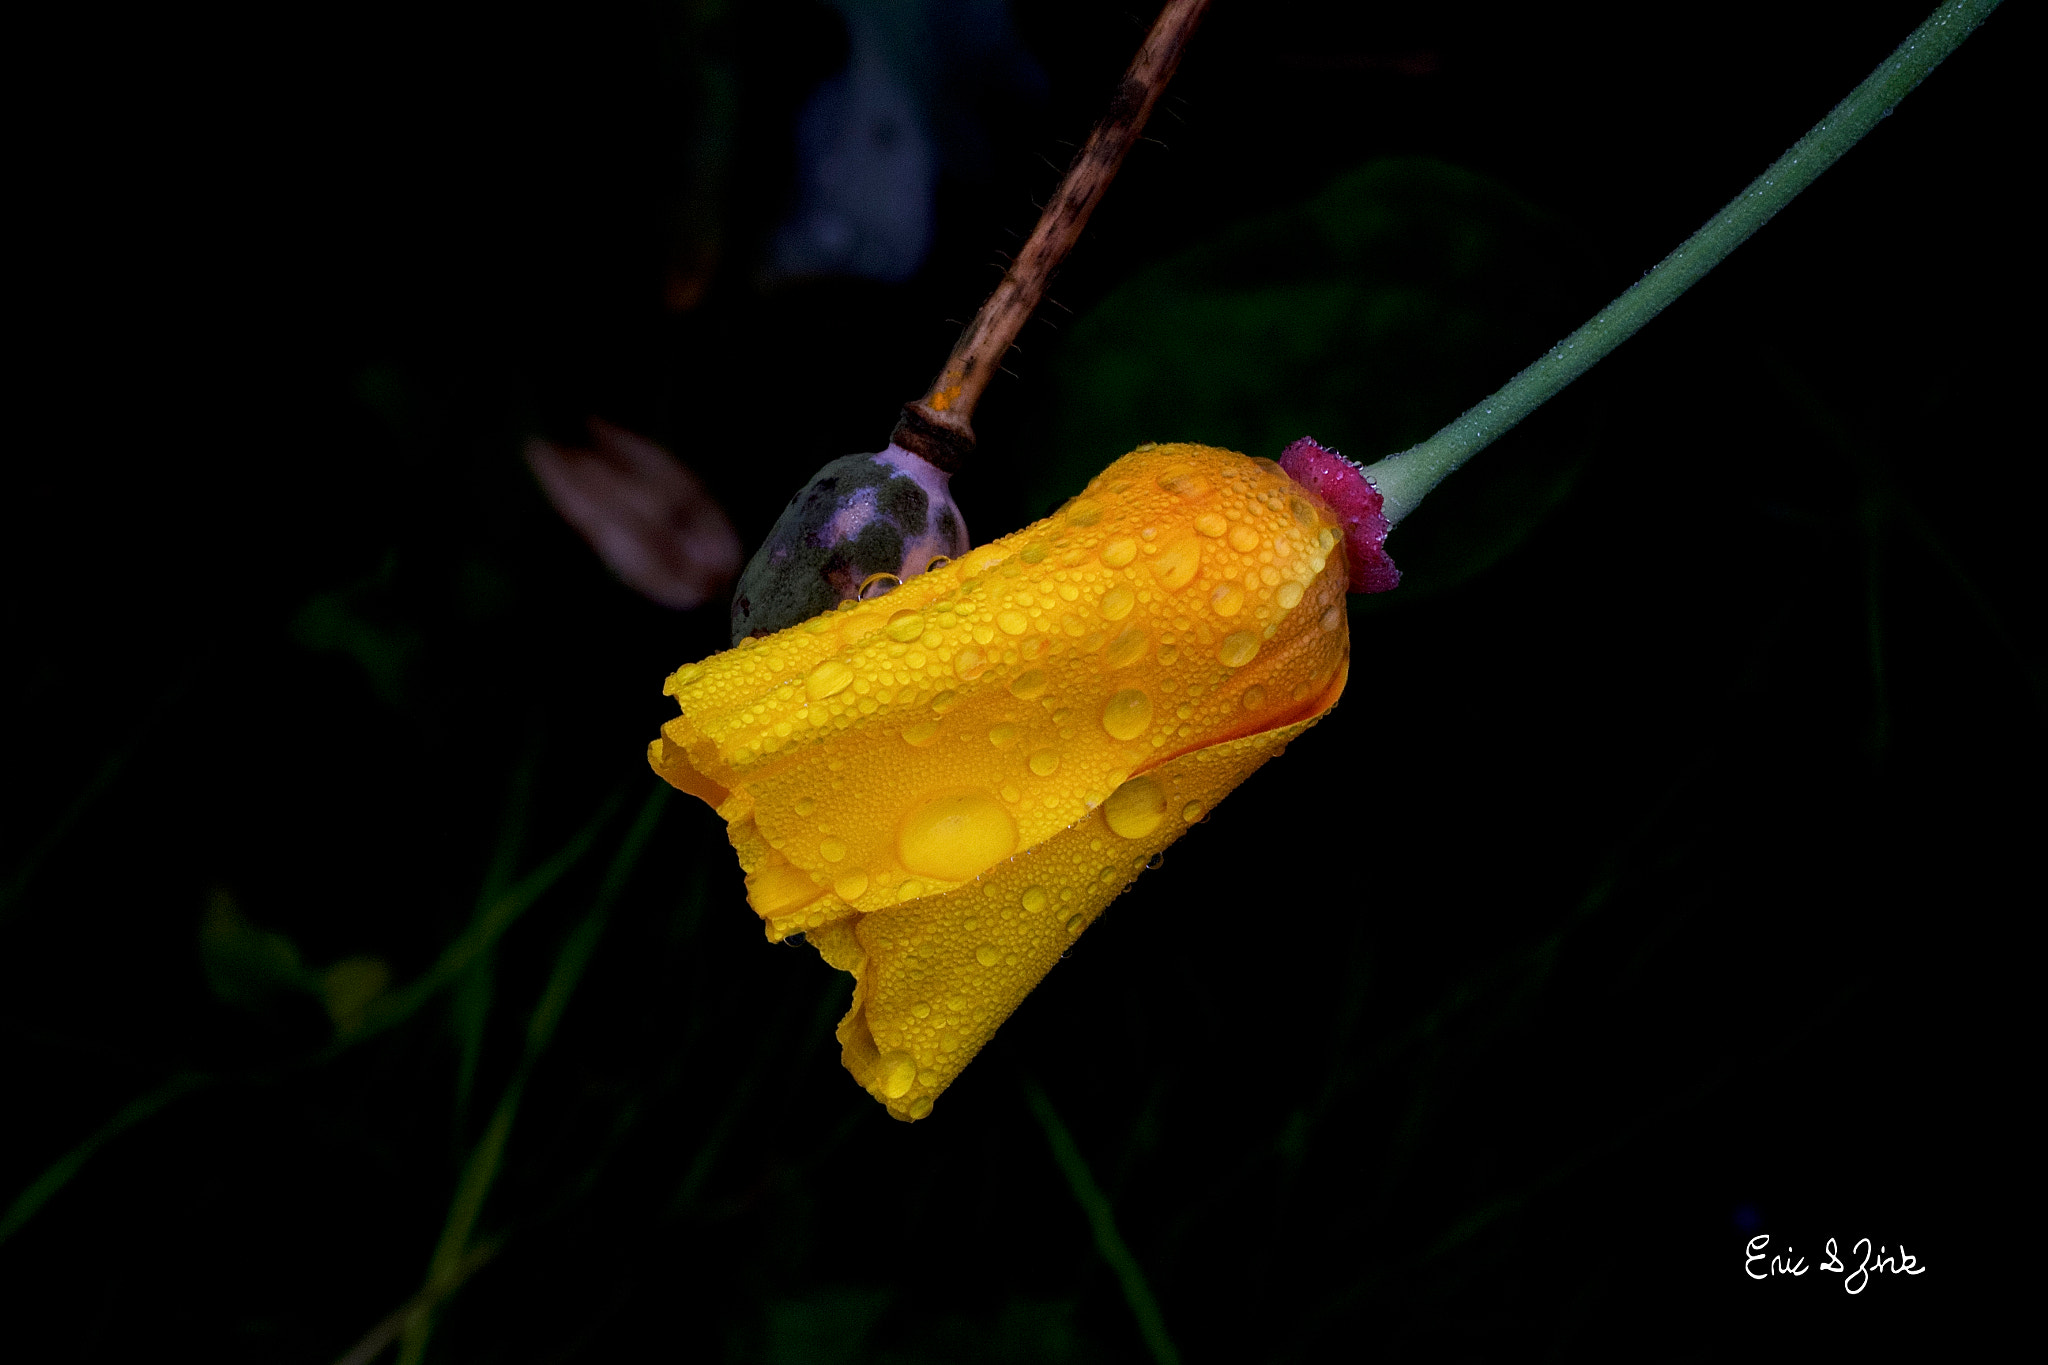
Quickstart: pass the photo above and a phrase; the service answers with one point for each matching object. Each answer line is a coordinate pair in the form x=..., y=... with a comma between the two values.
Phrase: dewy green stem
x=1403, y=479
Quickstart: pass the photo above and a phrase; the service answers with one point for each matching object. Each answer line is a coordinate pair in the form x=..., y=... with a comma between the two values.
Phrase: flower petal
x=914, y=750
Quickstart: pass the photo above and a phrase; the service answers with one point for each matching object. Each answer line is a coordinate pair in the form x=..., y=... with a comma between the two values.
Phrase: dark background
x=1656, y=885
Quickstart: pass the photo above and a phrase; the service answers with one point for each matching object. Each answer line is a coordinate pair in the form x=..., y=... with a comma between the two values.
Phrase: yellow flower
x=943, y=787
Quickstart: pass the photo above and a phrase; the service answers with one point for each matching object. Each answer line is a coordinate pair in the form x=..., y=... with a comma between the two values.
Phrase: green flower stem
x=1405, y=478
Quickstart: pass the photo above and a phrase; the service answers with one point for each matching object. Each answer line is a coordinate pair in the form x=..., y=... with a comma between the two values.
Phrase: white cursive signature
x=1759, y=1262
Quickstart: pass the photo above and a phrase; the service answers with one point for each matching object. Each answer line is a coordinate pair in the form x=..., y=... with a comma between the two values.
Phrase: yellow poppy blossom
x=943, y=787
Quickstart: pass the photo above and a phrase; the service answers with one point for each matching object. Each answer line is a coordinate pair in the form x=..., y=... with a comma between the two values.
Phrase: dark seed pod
x=860, y=516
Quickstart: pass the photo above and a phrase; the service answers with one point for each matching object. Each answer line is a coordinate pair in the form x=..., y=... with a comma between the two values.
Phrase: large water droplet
x=945, y=702
x=1244, y=539
x=779, y=890
x=1136, y=808
x=1013, y=622
x=1238, y=648
x=804, y=805
x=1028, y=685
x=1081, y=512
x=988, y=955
x=1290, y=595
x=1304, y=515
x=1128, y=714
x=1211, y=524
x=827, y=678
x=851, y=887
x=1075, y=924
x=1333, y=618
x=1227, y=599
x=1191, y=812
x=1254, y=697
x=921, y=734
x=1127, y=648
x=905, y=626
x=1178, y=563
x=895, y=1073
x=920, y=1107
x=831, y=850
x=969, y=664
x=1119, y=552
x=1045, y=762
x=1185, y=480
x=1034, y=899
x=1002, y=736
x=956, y=836
x=1117, y=603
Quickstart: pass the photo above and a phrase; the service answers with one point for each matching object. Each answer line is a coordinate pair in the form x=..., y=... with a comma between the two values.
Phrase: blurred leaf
x=1367, y=318
x=345, y=622
x=246, y=966
x=350, y=987
x=830, y=1327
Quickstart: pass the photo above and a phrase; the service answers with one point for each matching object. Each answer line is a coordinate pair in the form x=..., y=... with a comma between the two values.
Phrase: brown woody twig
x=939, y=426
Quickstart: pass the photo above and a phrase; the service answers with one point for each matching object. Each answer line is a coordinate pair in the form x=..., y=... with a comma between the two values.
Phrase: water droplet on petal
x=831, y=850
x=956, y=836
x=828, y=678
x=1304, y=515
x=1238, y=648
x=1178, y=563
x=1136, y=808
x=1211, y=524
x=1117, y=603
x=1333, y=618
x=1013, y=622
x=1128, y=647
x=851, y=887
x=1119, y=552
x=1084, y=513
x=1045, y=762
x=1028, y=685
x=1156, y=861
x=1243, y=539
x=895, y=1073
x=1191, y=812
x=779, y=890
x=1254, y=697
x=1002, y=736
x=1228, y=599
x=1290, y=595
x=921, y=734
x=945, y=702
x=988, y=955
x=1128, y=714
x=877, y=585
x=920, y=1107
x=1034, y=899
x=905, y=626
x=805, y=805
x=1075, y=924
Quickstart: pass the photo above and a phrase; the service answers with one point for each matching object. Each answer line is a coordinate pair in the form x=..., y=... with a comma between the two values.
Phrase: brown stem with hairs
x=939, y=426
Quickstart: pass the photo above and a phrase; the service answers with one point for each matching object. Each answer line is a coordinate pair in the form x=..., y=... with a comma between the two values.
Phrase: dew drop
x=1191, y=812
x=1243, y=539
x=921, y=734
x=956, y=836
x=905, y=626
x=937, y=562
x=1028, y=685
x=920, y=1107
x=1128, y=714
x=1002, y=736
x=1228, y=599
x=1290, y=595
x=1117, y=603
x=969, y=664
x=851, y=886
x=1128, y=647
x=779, y=890
x=877, y=585
x=1238, y=648
x=1178, y=563
x=1156, y=861
x=895, y=1073
x=1045, y=762
x=1304, y=515
x=909, y=891
x=1013, y=622
x=1119, y=552
x=828, y=678
x=1136, y=808
x=1076, y=924
x=945, y=702
x=988, y=955
x=1033, y=554
x=1254, y=697
x=1034, y=899
x=1211, y=524
x=1083, y=513
x=832, y=850
x=804, y=805
x=1332, y=618
x=684, y=677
